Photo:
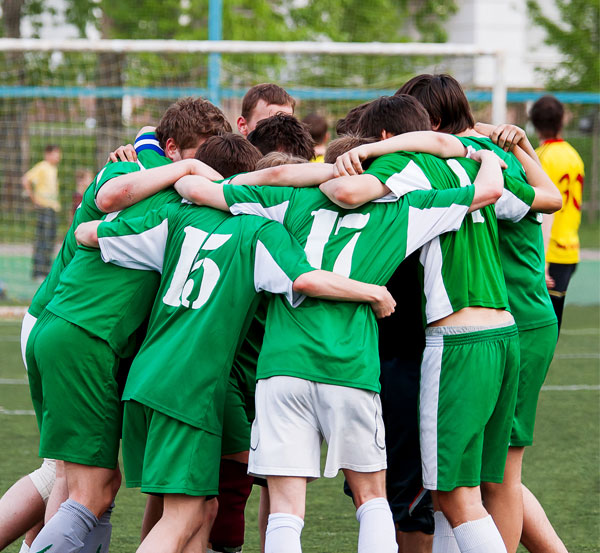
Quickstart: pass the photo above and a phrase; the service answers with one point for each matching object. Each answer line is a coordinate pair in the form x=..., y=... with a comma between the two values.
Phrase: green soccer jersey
x=336, y=342
x=521, y=250
x=460, y=269
x=109, y=301
x=88, y=211
x=213, y=266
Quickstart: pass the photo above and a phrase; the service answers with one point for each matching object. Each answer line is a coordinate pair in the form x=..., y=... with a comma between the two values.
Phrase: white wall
x=503, y=24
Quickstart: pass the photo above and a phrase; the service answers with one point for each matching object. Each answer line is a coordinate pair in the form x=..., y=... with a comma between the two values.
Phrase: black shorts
x=410, y=504
x=561, y=273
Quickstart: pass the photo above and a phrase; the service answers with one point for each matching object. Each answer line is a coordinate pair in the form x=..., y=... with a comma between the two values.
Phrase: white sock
x=283, y=533
x=479, y=536
x=443, y=537
x=24, y=548
x=377, y=532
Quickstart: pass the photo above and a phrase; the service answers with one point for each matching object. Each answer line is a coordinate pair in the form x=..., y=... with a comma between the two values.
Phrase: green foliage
x=576, y=34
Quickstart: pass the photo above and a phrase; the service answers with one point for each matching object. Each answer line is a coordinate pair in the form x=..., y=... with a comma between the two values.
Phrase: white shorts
x=293, y=416
x=26, y=326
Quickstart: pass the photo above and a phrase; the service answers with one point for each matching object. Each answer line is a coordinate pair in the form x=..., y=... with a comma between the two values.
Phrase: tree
x=576, y=35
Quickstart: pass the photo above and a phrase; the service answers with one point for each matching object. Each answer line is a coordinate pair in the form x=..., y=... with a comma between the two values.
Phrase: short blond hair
x=274, y=159
x=344, y=144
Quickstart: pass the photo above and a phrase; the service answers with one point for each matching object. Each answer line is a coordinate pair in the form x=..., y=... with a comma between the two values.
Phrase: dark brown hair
x=444, y=99
x=190, y=119
x=270, y=93
x=283, y=133
x=547, y=114
x=317, y=126
x=51, y=148
x=349, y=124
x=229, y=154
x=395, y=114
x=344, y=144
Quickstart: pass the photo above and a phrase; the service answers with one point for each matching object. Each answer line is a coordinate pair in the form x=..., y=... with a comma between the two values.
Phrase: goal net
x=88, y=97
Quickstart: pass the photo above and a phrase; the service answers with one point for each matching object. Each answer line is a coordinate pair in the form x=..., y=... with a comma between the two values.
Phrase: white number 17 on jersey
x=320, y=232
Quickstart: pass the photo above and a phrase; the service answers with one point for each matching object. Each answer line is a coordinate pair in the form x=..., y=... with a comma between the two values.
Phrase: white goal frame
x=499, y=89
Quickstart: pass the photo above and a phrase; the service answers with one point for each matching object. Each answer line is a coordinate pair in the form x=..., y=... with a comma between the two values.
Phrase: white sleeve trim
x=275, y=212
x=511, y=208
x=270, y=277
x=410, y=178
x=143, y=251
x=426, y=224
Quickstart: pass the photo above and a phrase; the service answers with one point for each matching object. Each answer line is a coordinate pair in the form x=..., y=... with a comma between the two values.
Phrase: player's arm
x=331, y=286
x=28, y=188
x=489, y=182
x=86, y=234
x=507, y=136
x=127, y=152
x=354, y=190
x=296, y=175
x=428, y=142
x=125, y=190
x=548, y=198
x=202, y=191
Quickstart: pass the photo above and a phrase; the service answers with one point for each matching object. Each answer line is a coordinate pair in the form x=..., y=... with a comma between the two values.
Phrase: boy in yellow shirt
x=41, y=186
x=564, y=166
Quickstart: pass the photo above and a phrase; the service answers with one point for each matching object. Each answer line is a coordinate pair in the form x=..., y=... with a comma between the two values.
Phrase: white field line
x=577, y=356
x=581, y=332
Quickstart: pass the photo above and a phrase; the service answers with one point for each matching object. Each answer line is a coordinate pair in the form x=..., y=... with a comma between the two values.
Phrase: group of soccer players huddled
x=212, y=313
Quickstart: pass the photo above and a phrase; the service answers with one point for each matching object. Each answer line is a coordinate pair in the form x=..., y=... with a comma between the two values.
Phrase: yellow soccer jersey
x=564, y=166
x=44, y=180
x=318, y=159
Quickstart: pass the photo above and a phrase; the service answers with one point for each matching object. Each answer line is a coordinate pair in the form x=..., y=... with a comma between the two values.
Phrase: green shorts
x=164, y=455
x=467, y=402
x=72, y=379
x=237, y=417
x=537, y=349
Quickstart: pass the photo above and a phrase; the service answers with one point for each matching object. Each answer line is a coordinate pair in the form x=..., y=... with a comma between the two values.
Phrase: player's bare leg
x=287, y=495
x=264, y=508
x=505, y=501
x=377, y=531
x=414, y=542
x=183, y=516
x=93, y=487
x=538, y=534
x=59, y=493
x=21, y=508
x=199, y=543
x=152, y=514
x=470, y=522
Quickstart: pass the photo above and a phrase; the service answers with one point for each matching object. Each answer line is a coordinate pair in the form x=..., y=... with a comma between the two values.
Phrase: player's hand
x=550, y=284
x=86, y=234
x=384, y=304
x=350, y=162
x=506, y=136
x=123, y=153
x=481, y=155
x=197, y=167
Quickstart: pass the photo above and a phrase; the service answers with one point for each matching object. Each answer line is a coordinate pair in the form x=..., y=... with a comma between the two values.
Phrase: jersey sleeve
x=278, y=261
x=112, y=170
x=137, y=243
x=516, y=199
x=148, y=142
x=435, y=212
x=270, y=202
x=400, y=174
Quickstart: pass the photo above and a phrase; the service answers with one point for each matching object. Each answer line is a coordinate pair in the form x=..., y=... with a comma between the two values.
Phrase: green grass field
x=561, y=468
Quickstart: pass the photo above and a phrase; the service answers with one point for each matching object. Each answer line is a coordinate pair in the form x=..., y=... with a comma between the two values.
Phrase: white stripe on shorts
x=431, y=368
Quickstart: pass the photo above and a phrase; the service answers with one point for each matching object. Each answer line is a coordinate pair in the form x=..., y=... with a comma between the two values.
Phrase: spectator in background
x=262, y=101
x=83, y=177
x=41, y=187
x=317, y=126
x=564, y=166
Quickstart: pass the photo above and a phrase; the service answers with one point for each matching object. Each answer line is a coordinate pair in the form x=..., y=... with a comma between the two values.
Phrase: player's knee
x=44, y=477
